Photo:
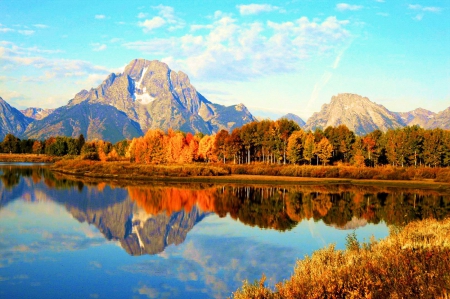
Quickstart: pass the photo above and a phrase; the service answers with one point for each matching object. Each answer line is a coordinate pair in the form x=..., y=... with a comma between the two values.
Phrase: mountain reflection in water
x=147, y=219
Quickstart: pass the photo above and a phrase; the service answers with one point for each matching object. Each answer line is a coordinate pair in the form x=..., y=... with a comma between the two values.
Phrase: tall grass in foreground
x=413, y=262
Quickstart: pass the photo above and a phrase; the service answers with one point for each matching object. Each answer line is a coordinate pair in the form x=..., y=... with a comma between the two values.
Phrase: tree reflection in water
x=146, y=219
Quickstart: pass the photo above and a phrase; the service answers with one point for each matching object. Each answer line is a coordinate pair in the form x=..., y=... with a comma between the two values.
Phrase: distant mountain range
x=362, y=116
x=295, y=118
x=149, y=95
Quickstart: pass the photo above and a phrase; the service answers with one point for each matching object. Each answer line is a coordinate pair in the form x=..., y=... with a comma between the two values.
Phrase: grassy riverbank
x=413, y=262
x=124, y=169
x=33, y=158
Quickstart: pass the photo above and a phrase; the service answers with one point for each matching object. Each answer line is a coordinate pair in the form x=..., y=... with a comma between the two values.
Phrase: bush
x=411, y=263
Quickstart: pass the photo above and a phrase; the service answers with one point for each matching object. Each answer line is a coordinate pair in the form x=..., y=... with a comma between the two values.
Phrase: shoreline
x=260, y=180
x=199, y=173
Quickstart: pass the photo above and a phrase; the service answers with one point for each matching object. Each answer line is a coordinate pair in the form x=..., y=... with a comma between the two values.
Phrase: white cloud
x=151, y=24
x=13, y=56
x=424, y=8
x=98, y=47
x=241, y=51
x=142, y=15
x=41, y=26
x=4, y=29
x=100, y=17
x=166, y=16
x=26, y=32
x=346, y=6
x=11, y=95
x=253, y=9
x=418, y=17
x=196, y=27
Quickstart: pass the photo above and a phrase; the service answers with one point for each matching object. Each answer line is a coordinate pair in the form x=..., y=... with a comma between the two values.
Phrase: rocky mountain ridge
x=149, y=95
x=363, y=116
x=297, y=119
x=12, y=120
x=154, y=96
x=37, y=113
x=358, y=113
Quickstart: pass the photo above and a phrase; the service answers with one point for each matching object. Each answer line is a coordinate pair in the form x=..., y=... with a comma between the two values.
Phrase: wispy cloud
x=5, y=29
x=40, y=26
x=346, y=6
x=152, y=24
x=142, y=15
x=241, y=51
x=98, y=47
x=254, y=9
x=13, y=56
x=100, y=17
x=166, y=17
x=424, y=8
x=26, y=32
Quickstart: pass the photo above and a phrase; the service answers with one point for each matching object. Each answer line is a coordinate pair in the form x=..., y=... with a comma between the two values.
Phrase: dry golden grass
x=28, y=158
x=347, y=172
x=133, y=170
x=413, y=262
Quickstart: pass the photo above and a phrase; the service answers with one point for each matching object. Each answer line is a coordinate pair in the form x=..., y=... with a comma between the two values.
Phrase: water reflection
x=147, y=219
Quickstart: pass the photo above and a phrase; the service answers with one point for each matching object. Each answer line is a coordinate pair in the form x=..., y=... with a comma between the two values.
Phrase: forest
x=272, y=142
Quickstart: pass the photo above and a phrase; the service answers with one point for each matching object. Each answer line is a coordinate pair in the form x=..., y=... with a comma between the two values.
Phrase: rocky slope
x=37, y=113
x=154, y=96
x=440, y=120
x=94, y=121
x=418, y=117
x=12, y=120
x=358, y=113
x=297, y=119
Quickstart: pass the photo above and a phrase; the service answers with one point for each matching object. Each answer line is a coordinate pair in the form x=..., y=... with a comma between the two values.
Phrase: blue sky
x=275, y=57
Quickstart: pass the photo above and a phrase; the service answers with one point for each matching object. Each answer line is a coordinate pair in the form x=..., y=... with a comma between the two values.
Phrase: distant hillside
x=37, y=113
x=94, y=121
x=12, y=120
x=358, y=113
x=295, y=118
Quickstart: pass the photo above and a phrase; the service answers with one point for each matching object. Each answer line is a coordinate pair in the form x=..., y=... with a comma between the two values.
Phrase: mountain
x=358, y=113
x=94, y=121
x=12, y=120
x=154, y=96
x=36, y=113
x=418, y=116
x=295, y=118
x=440, y=120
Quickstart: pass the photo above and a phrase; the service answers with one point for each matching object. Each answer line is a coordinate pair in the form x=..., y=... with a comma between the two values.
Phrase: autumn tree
x=10, y=144
x=324, y=150
x=221, y=145
x=295, y=146
x=37, y=147
x=285, y=128
x=309, y=147
x=206, y=148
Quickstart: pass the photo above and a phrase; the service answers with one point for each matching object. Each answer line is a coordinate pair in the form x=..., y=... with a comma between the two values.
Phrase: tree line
x=271, y=142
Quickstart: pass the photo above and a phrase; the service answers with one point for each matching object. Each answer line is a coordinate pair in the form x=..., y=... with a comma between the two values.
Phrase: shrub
x=412, y=262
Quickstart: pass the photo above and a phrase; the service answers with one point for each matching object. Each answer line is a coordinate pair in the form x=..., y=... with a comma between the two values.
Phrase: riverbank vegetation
x=413, y=262
x=266, y=147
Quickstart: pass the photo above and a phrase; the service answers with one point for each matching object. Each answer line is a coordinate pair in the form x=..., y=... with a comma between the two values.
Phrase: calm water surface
x=72, y=239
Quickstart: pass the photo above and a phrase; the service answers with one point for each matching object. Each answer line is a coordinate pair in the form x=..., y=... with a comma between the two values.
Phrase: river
x=68, y=238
